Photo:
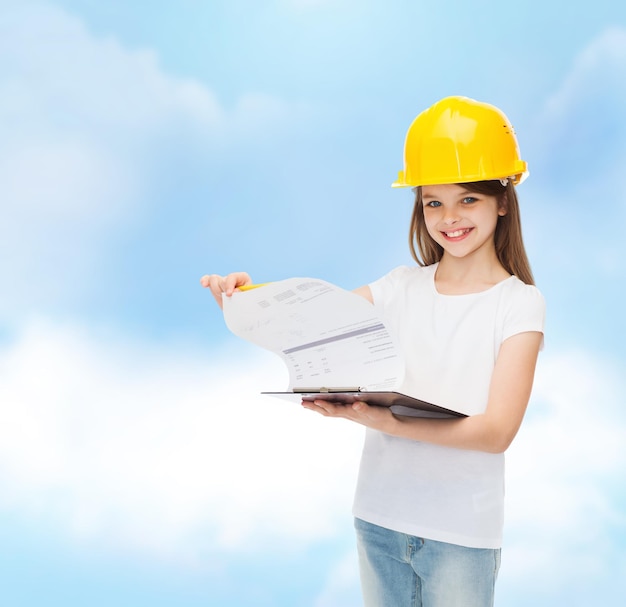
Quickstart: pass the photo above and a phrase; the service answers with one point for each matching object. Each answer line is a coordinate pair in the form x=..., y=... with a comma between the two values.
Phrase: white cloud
x=91, y=130
x=168, y=451
x=342, y=587
x=165, y=450
x=565, y=500
x=580, y=152
x=600, y=65
x=72, y=79
x=581, y=129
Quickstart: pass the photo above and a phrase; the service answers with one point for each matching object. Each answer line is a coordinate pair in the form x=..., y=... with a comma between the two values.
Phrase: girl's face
x=461, y=221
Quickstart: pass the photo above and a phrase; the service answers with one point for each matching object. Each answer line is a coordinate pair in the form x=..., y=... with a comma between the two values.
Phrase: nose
x=450, y=217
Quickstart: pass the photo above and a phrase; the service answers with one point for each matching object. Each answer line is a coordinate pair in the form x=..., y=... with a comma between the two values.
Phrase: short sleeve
x=526, y=311
x=384, y=288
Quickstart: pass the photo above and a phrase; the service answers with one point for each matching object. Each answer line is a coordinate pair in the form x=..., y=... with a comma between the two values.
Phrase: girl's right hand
x=224, y=284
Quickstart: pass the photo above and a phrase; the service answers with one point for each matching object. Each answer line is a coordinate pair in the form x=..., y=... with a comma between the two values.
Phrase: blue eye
x=433, y=203
x=469, y=200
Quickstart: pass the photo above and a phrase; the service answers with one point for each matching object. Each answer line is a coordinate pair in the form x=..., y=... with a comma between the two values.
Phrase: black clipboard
x=348, y=396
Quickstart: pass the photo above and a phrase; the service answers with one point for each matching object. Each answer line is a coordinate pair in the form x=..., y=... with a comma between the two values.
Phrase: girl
x=429, y=499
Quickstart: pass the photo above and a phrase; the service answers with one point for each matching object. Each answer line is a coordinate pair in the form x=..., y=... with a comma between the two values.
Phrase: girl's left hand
x=377, y=418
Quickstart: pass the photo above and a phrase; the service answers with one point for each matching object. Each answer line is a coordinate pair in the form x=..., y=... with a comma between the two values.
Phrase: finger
x=215, y=282
x=317, y=406
x=360, y=406
x=325, y=407
x=234, y=280
x=332, y=409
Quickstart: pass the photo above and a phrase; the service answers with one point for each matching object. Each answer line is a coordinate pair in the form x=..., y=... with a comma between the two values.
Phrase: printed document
x=327, y=336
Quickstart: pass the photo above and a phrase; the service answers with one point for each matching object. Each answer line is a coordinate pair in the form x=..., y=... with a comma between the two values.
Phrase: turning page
x=327, y=336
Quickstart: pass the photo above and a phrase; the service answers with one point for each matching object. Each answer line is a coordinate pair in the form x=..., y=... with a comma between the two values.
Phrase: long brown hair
x=507, y=239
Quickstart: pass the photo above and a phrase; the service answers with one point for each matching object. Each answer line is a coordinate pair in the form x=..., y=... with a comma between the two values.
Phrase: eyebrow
x=461, y=193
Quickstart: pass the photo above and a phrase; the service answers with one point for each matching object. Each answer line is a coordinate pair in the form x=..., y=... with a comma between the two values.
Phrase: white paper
x=327, y=336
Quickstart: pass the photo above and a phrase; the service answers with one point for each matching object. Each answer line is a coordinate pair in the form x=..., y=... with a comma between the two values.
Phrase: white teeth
x=456, y=233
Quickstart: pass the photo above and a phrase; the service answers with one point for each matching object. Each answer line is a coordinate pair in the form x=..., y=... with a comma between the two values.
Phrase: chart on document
x=327, y=336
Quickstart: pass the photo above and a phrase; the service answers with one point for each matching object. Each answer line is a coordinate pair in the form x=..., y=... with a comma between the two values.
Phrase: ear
x=503, y=206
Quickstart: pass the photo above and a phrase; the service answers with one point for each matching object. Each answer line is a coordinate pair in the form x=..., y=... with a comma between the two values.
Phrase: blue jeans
x=399, y=570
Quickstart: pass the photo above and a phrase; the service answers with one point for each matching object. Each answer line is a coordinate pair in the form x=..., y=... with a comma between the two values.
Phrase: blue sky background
x=143, y=144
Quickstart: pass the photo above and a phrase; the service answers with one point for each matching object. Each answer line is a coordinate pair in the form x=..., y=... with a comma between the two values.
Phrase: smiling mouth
x=457, y=233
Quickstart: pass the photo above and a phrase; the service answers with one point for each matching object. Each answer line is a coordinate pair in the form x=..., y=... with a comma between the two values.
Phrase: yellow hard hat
x=459, y=140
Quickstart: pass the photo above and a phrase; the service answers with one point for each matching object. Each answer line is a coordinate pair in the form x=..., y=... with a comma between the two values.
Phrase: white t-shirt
x=450, y=343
